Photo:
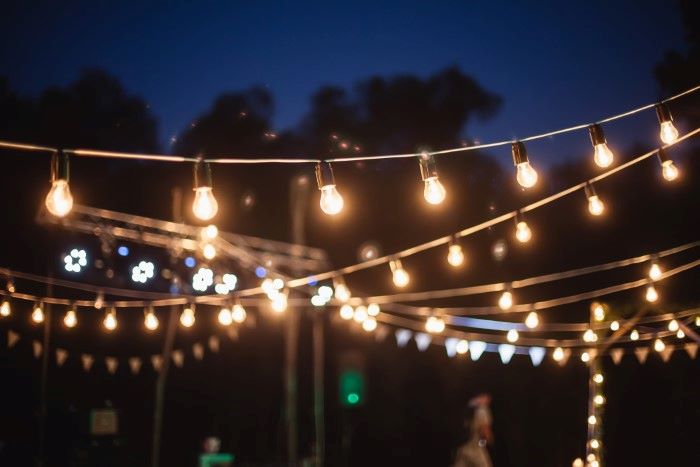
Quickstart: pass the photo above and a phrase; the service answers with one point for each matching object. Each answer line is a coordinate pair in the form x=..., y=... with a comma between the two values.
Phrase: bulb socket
x=589, y=190
x=663, y=113
x=519, y=217
x=324, y=174
x=202, y=174
x=519, y=153
x=60, y=166
x=395, y=264
x=663, y=156
x=428, y=169
x=597, y=134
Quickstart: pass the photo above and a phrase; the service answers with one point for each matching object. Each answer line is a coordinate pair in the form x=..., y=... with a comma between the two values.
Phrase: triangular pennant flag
x=692, y=349
x=157, y=362
x=536, y=355
x=616, y=355
x=451, y=346
x=666, y=353
x=12, y=338
x=87, y=361
x=642, y=353
x=178, y=358
x=402, y=337
x=380, y=333
x=506, y=352
x=198, y=351
x=112, y=364
x=476, y=348
x=135, y=365
x=232, y=333
x=61, y=356
x=36, y=348
x=214, y=343
x=422, y=341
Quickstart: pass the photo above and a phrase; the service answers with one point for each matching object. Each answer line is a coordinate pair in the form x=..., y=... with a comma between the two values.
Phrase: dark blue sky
x=554, y=63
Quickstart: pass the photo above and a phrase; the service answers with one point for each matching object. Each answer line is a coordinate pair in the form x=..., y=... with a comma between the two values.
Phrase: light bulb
x=697, y=321
x=5, y=308
x=505, y=302
x=210, y=232
x=655, y=272
x=435, y=325
x=331, y=201
x=585, y=357
x=659, y=345
x=110, y=321
x=512, y=336
x=369, y=325
x=558, y=354
x=346, y=312
x=595, y=205
x=279, y=302
x=225, y=318
x=590, y=336
x=634, y=335
x=595, y=444
x=526, y=175
x=360, y=314
x=673, y=325
x=522, y=232
x=205, y=205
x=602, y=155
x=187, y=318
x=434, y=192
x=599, y=399
x=150, y=321
x=669, y=171
x=614, y=326
x=578, y=462
x=680, y=334
x=399, y=274
x=532, y=320
x=59, y=200
x=70, y=319
x=38, y=314
x=455, y=255
x=598, y=378
x=651, y=295
x=668, y=132
x=462, y=346
x=209, y=251
x=342, y=292
x=598, y=311
x=238, y=313
x=373, y=309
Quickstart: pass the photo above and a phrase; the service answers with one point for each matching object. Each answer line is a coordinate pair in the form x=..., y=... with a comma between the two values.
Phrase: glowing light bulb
x=673, y=325
x=205, y=205
x=5, y=308
x=669, y=171
x=346, y=312
x=225, y=318
x=659, y=345
x=399, y=274
x=592, y=420
x=668, y=132
x=373, y=309
x=590, y=336
x=209, y=251
x=505, y=302
x=595, y=205
x=680, y=334
x=526, y=175
x=455, y=255
x=70, y=319
x=150, y=321
x=578, y=462
x=651, y=295
x=462, y=346
x=697, y=321
x=369, y=325
x=110, y=321
x=598, y=311
x=532, y=320
x=38, y=314
x=435, y=325
x=522, y=232
x=602, y=155
x=279, y=302
x=59, y=200
x=634, y=335
x=512, y=336
x=342, y=292
x=434, y=191
x=558, y=354
x=614, y=326
x=655, y=272
x=598, y=378
x=360, y=314
x=331, y=201
x=187, y=318
x=599, y=399
x=238, y=313
x=210, y=232
x=585, y=357
x=595, y=444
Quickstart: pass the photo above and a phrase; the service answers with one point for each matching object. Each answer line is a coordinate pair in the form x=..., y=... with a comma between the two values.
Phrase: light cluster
x=227, y=284
x=202, y=279
x=75, y=260
x=144, y=271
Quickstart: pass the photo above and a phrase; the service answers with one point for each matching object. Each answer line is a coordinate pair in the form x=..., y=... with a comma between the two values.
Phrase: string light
x=462, y=347
x=532, y=320
x=38, y=313
x=673, y=325
x=455, y=255
x=590, y=336
x=634, y=335
x=522, y=231
x=599, y=399
x=680, y=334
x=110, y=321
x=668, y=132
x=209, y=251
x=435, y=325
x=598, y=311
x=331, y=201
x=10, y=286
x=279, y=302
x=5, y=308
x=655, y=271
x=205, y=205
x=150, y=321
x=592, y=420
x=595, y=444
x=209, y=232
x=526, y=175
x=598, y=378
x=595, y=204
x=558, y=354
x=369, y=325
x=434, y=192
x=399, y=274
x=70, y=319
x=659, y=345
x=373, y=309
x=512, y=336
x=651, y=294
x=668, y=170
x=187, y=317
x=346, y=312
x=225, y=318
x=614, y=326
x=585, y=357
x=238, y=313
x=505, y=302
x=59, y=200
x=602, y=155
x=360, y=314
x=340, y=289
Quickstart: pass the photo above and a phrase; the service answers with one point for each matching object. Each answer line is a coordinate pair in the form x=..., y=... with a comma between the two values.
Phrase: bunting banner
x=616, y=355
x=61, y=356
x=692, y=350
x=666, y=354
x=112, y=364
x=422, y=341
x=157, y=362
x=12, y=338
x=402, y=337
x=451, y=346
x=135, y=365
x=178, y=358
x=87, y=361
x=36, y=348
x=642, y=353
x=537, y=355
x=198, y=351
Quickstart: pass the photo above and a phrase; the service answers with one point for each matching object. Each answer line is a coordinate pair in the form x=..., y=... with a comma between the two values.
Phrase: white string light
x=532, y=320
x=668, y=132
x=331, y=201
x=602, y=155
x=526, y=175
x=455, y=254
x=434, y=192
x=150, y=320
x=187, y=317
x=70, y=319
x=668, y=170
x=595, y=204
x=38, y=313
x=399, y=274
x=522, y=231
x=59, y=200
x=205, y=205
x=110, y=320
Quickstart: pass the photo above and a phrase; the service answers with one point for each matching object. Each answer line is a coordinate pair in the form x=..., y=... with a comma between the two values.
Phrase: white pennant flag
x=692, y=349
x=12, y=338
x=402, y=337
x=135, y=365
x=666, y=353
x=380, y=333
x=476, y=348
x=157, y=362
x=642, y=353
x=506, y=352
x=616, y=355
x=112, y=364
x=422, y=341
x=198, y=351
x=87, y=361
x=451, y=346
x=537, y=355
x=178, y=358
x=36, y=347
x=214, y=343
x=61, y=356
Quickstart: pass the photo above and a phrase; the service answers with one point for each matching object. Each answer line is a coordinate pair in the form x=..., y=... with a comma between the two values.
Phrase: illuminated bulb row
x=360, y=313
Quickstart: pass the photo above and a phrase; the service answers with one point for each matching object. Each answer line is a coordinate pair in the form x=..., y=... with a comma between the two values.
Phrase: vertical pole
x=318, y=387
x=45, y=356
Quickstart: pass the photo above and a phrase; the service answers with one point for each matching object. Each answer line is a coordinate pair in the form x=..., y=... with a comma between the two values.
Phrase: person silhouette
x=474, y=453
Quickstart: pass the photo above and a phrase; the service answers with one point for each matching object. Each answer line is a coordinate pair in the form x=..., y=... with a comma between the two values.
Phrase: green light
x=353, y=398
x=352, y=388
